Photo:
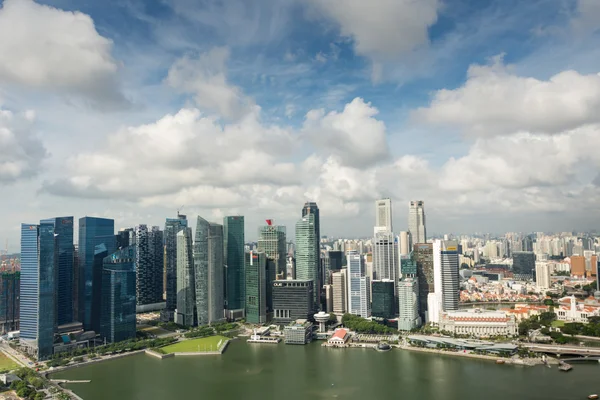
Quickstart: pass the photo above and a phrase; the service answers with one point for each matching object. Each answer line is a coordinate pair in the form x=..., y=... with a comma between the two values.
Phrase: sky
x=489, y=111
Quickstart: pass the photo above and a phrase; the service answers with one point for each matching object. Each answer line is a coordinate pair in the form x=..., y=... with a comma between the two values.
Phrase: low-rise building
x=570, y=311
x=339, y=337
x=299, y=332
x=479, y=323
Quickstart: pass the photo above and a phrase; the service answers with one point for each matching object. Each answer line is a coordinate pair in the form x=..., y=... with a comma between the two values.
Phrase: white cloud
x=21, y=152
x=44, y=47
x=354, y=135
x=494, y=101
x=587, y=17
x=205, y=76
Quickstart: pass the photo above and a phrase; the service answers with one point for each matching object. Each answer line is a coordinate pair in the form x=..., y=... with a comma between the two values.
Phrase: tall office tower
x=292, y=300
x=256, y=287
x=385, y=256
x=542, y=275
x=328, y=298
x=408, y=266
x=408, y=304
x=233, y=240
x=527, y=244
x=92, y=233
x=384, y=299
x=39, y=263
x=311, y=208
x=446, y=276
x=403, y=243
x=10, y=284
x=577, y=266
x=63, y=230
x=332, y=261
x=307, y=253
x=125, y=237
x=186, y=287
x=271, y=240
x=76, y=282
x=100, y=253
x=149, y=264
x=523, y=264
x=416, y=222
x=340, y=287
x=359, y=301
x=172, y=227
x=423, y=255
x=117, y=315
x=383, y=214
x=208, y=266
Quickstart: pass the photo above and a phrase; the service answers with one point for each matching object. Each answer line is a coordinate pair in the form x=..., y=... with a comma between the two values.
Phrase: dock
x=263, y=339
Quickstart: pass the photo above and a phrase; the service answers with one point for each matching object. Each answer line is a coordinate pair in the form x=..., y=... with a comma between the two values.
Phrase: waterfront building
x=340, y=289
x=403, y=243
x=339, y=338
x=311, y=208
x=271, y=241
x=292, y=300
x=308, y=253
x=416, y=222
x=479, y=323
x=208, y=268
x=298, y=332
x=172, y=228
x=38, y=288
x=186, y=283
x=570, y=310
x=384, y=299
x=92, y=233
x=423, y=256
x=233, y=241
x=542, y=275
x=118, y=315
x=523, y=264
x=446, y=277
x=385, y=256
x=149, y=265
x=256, y=287
x=359, y=301
x=408, y=304
x=383, y=214
x=100, y=253
x=63, y=230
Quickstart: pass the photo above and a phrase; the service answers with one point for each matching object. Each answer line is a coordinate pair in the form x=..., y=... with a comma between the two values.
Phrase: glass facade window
x=292, y=300
x=172, y=227
x=384, y=303
x=186, y=288
x=233, y=242
x=307, y=253
x=256, y=287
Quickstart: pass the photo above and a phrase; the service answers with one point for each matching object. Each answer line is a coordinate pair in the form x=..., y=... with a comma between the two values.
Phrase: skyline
x=487, y=112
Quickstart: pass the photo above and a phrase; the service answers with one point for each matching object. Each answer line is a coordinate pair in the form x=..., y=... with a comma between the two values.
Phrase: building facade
x=416, y=222
x=385, y=256
x=299, y=332
x=308, y=253
x=292, y=300
x=384, y=299
x=149, y=264
x=408, y=304
x=479, y=323
x=10, y=285
x=340, y=289
x=233, y=241
x=271, y=241
x=359, y=301
x=383, y=214
x=423, y=256
x=172, y=227
x=256, y=287
x=523, y=264
x=186, y=283
x=542, y=275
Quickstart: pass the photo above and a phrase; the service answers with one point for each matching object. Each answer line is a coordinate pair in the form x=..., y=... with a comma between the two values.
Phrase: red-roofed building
x=339, y=337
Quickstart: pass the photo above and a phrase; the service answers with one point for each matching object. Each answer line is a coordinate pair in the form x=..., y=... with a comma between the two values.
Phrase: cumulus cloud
x=495, y=101
x=48, y=48
x=354, y=135
x=205, y=76
x=21, y=152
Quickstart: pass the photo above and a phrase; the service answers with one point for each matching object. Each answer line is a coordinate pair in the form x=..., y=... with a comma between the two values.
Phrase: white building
x=416, y=222
x=383, y=214
x=542, y=276
x=340, y=288
x=403, y=243
x=570, y=311
x=479, y=323
x=359, y=299
x=385, y=255
x=445, y=276
x=408, y=301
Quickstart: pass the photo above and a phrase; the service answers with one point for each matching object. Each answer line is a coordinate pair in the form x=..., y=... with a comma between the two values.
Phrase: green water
x=266, y=371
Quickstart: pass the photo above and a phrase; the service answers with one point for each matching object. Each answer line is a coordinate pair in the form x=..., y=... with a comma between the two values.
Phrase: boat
x=500, y=361
x=565, y=367
x=593, y=396
x=383, y=346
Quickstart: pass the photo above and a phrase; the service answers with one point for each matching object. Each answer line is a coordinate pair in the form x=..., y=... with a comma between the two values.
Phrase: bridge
x=563, y=350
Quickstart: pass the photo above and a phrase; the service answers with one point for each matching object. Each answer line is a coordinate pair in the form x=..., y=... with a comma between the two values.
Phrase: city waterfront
x=259, y=371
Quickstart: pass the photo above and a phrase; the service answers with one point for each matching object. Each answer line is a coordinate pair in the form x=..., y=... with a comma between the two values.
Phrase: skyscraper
x=172, y=227
x=359, y=301
x=542, y=275
x=292, y=300
x=186, y=287
x=446, y=276
x=383, y=214
x=385, y=256
x=39, y=263
x=208, y=266
x=340, y=289
x=92, y=232
x=100, y=253
x=384, y=299
x=524, y=264
x=256, y=287
x=311, y=208
x=233, y=231
x=416, y=222
x=10, y=284
x=271, y=240
x=149, y=264
x=307, y=253
x=408, y=304
x=63, y=230
x=423, y=256
x=117, y=315
x=403, y=243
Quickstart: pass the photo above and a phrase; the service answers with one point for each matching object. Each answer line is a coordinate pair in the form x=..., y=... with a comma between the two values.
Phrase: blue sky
x=484, y=109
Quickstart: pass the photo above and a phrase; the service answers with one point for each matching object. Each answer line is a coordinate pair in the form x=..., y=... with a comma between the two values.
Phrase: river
x=266, y=371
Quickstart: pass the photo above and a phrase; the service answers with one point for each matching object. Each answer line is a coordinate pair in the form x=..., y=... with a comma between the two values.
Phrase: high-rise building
x=577, y=266
x=359, y=301
x=149, y=264
x=385, y=256
x=408, y=304
x=446, y=276
x=186, y=284
x=233, y=240
x=125, y=237
x=340, y=289
x=256, y=287
x=408, y=266
x=384, y=299
x=92, y=233
x=271, y=240
x=403, y=243
x=10, y=284
x=542, y=275
x=523, y=264
x=311, y=208
x=172, y=227
x=423, y=255
x=39, y=263
x=416, y=222
x=292, y=300
x=117, y=315
x=308, y=253
x=383, y=214
x=208, y=266
x=100, y=253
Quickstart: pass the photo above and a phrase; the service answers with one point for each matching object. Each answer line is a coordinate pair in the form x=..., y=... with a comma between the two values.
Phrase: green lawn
x=6, y=363
x=195, y=345
x=558, y=324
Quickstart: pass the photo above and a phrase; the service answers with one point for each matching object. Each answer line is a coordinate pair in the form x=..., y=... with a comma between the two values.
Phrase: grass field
x=6, y=363
x=195, y=345
x=558, y=324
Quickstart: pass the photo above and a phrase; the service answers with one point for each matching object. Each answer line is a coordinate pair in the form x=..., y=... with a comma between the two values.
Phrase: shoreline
x=527, y=363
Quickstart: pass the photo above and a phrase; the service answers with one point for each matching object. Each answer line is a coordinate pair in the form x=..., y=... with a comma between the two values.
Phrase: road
x=16, y=356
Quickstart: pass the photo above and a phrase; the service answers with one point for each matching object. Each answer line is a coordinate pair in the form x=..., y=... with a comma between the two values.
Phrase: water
x=266, y=371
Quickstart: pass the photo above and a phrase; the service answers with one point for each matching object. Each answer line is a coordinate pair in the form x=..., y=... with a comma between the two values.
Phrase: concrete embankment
x=83, y=364
x=518, y=361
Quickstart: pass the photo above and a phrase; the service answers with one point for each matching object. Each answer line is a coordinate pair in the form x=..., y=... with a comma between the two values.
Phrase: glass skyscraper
x=149, y=264
x=172, y=227
x=271, y=240
x=92, y=232
x=311, y=208
x=416, y=222
x=307, y=253
x=186, y=286
x=233, y=242
x=256, y=287
x=384, y=299
x=118, y=296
